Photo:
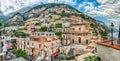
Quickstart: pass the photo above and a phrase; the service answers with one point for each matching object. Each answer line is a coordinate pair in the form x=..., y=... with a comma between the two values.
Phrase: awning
x=55, y=54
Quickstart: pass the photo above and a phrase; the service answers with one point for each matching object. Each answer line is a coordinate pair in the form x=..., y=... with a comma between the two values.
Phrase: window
x=39, y=45
x=64, y=30
x=32, y=44
x=86, y=41
x=42, y=33
x=46, y=34
x=73, y=28
x=79, y=40
x=24, y=42
x=72, y=40
x=27, y=43
x=38, y=34
x=79, y=28
x=50, y=34
x=68, y=30
x=34, y=33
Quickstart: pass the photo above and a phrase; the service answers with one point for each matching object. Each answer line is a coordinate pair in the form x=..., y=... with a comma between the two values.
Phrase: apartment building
x=34, y=45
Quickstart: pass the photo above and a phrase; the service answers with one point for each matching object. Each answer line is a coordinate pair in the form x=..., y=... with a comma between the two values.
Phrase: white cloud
x=80, y=6
x=18, y=4
x=89, y=7
x=49, y=1
x=108, y=8
x=11, y=5
x=102, y=1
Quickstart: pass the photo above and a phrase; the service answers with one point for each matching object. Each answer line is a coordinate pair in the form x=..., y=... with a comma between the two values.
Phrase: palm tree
x=92, y=58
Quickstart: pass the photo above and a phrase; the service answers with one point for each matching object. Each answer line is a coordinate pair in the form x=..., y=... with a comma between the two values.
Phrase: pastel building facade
x=35, y=45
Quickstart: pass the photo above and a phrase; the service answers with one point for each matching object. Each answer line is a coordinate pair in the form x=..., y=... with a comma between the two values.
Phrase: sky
x=103, y=10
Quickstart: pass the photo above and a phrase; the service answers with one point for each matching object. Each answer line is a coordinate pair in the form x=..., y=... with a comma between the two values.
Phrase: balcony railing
x=77, y=32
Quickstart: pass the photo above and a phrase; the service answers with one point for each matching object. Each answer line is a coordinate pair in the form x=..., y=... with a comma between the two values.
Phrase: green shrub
x=43, y=29
x=21, y=53
x=59, y=25
x=59, y=34
x=38, y=23
x=92, y=58
x=21, y=34
x=13, y=40
x=23, y=29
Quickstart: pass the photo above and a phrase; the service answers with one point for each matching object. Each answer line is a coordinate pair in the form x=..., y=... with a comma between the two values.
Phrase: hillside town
x=56, y=37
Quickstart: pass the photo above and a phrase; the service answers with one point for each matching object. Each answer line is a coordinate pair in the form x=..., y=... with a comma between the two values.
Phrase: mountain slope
x=57, y=13
x=46, y=9
x=17, y=19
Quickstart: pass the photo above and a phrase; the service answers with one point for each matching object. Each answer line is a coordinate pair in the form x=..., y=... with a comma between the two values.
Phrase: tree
x=38, y=23
x=21, y=34
x=92, y=58
x=59, y=34
x=67, y=57
x=13, y=40
x=23, y=29
x=0, y=24
x=43, y=29
x=103, y=34
x=59, y=25
x=0, y=33
x=21, y=53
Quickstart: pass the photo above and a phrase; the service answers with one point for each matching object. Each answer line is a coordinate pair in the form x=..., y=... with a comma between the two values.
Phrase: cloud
x=89, y=7
x=18, y=4
x=102, y=1
x=108, y=8
x=11, y=5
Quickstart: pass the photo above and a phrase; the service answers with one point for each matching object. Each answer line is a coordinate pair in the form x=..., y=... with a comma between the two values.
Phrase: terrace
x=107, y=43
x=108, y=51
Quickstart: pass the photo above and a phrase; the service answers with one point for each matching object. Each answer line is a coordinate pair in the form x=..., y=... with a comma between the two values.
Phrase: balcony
x=80, y=32
x=77, y=32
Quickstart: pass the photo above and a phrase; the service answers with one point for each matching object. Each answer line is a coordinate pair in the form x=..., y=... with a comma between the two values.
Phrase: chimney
x=118, y=42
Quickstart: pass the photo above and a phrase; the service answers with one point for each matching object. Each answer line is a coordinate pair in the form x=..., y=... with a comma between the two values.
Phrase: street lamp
x=118, y=42
x=112, y=25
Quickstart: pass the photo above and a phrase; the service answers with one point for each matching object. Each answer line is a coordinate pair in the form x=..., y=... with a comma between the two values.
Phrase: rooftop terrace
x=107, y=43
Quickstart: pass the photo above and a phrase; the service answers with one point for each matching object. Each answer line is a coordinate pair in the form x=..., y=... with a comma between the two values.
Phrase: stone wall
x=108, y=53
